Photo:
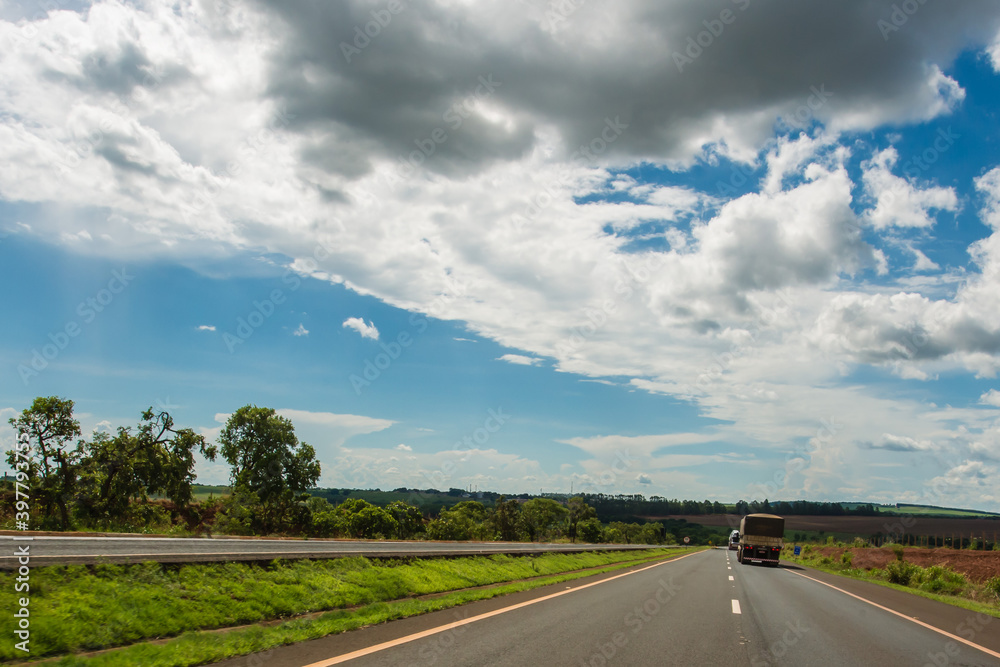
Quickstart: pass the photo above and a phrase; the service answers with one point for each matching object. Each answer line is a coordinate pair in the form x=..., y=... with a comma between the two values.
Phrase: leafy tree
x=52, y=467
x=650, y=533
x=463, y=521
x=324, y=521
x=542, y=517
x=360, y=518
x=590, y=530
x=408, y=519
x=156, y=459
x=268, y=460
x=579, y=510
x=506, y=519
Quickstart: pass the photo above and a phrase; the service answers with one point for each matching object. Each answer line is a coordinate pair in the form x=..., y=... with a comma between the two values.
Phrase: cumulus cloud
x=992, y=397
x=471, y=164
x=899, y=443
x=520, y=360
x=206, y=327
x=897, y=202
x=302, y=331
x=367, y=330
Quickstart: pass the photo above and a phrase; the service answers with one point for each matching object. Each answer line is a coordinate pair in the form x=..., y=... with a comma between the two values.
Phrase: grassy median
x=86, y=608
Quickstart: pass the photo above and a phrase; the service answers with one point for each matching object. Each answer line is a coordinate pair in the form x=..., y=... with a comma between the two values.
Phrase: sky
x=718, y=250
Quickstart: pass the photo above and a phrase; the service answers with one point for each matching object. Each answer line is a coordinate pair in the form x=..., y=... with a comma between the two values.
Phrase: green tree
x=590, y=530
x=362, y=519
x=579, y=511
x=505, y=520
x=542, y=517
x=156, y=459
x=268, y=460
x=52, y=467
x=650, y=533
x=463, y=521
x=408, y=519
x=324, y=521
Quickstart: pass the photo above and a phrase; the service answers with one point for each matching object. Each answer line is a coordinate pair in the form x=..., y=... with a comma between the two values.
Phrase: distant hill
x=933, y=510
x=623, y=506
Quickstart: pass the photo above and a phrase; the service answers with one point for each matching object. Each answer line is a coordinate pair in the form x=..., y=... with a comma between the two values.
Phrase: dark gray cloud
x=599, y=61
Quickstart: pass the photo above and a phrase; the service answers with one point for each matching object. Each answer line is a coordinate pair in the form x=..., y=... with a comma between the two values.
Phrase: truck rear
x=761, y=539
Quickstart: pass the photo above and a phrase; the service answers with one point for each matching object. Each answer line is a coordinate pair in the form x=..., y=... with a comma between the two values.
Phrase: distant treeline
x=617, y=507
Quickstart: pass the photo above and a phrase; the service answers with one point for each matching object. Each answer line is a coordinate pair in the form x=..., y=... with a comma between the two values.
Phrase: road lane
x=53, y=550
x=793, y=620
x=651, y=617
x=701, y=609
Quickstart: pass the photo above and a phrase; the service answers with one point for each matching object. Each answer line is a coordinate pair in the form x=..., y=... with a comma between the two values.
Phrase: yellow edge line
x=444, y=628
x=909, y=618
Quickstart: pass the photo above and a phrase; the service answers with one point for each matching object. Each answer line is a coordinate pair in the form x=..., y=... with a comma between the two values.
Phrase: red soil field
x=977, y=566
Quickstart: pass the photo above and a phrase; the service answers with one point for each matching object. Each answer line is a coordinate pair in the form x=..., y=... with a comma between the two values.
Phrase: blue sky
x=772, y=272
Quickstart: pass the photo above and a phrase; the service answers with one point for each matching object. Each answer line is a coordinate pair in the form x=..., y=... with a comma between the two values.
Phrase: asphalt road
x=682, y=612
x=52, y=550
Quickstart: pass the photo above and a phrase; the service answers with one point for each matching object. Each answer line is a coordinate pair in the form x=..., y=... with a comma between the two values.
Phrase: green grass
x=921, y=510
x=85, y=608
x=934, y=582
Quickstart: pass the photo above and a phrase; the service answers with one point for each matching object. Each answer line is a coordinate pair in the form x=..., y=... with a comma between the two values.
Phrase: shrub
x=846, y=557
x=898, y=550
x=900, y=572
x=939, y=579
x=993, y=586
x=859, y=543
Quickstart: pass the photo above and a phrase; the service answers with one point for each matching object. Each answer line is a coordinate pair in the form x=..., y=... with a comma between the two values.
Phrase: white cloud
x=899, y=443
x=206, y=327
x=366, y=330
x=992, y=397
x=898, y=203
x=404, y=448
x=302, y=331
x=269, y=139
x=520, y=360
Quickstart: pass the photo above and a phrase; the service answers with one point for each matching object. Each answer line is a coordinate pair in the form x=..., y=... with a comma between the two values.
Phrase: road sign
x=686, y=539
x=798, y=550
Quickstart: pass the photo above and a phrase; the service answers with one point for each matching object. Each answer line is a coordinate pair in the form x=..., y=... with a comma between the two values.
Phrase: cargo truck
x=761, y=539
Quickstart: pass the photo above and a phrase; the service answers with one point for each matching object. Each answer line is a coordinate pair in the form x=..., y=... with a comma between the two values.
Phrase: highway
x=62, y=550
x=700, y=609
